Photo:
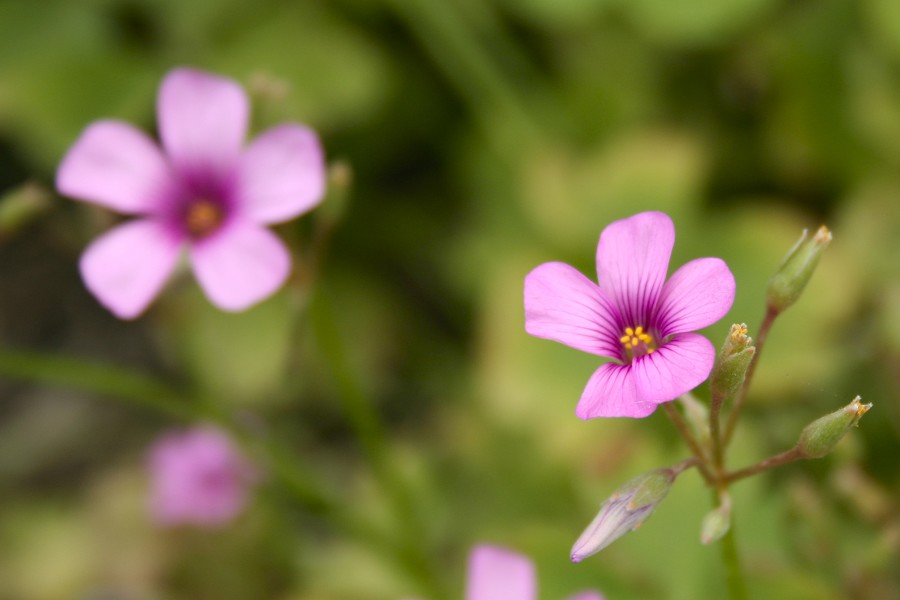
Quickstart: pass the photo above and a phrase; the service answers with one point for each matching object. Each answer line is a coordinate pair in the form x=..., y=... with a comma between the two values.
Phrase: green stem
x=691, y=441
x=369, y=431
x=100, y=379
x=764, y=465
x=761, y=336
x=734, y=575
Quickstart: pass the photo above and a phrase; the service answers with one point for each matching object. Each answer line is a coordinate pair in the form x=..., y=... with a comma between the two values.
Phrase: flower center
x=202, y=218
x=637, y=342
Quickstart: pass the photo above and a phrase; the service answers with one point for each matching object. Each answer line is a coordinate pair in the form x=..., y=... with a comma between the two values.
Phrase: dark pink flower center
x=637, y=342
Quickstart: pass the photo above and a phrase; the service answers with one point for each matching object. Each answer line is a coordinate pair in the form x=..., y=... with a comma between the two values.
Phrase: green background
x=484, y=137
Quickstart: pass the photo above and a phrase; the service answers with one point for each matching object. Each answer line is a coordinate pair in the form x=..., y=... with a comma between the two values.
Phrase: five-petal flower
x=634, y=316
x=203, y=191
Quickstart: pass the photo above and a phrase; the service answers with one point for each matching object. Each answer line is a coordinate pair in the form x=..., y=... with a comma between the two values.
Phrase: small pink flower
x=198, y=477
x=634, y=316
x=499, y=574
x=204, y=191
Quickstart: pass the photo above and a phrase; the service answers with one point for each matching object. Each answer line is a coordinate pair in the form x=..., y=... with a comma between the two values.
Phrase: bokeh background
x=484, y=137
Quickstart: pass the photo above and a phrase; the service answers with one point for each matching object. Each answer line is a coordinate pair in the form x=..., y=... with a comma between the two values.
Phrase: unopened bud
x=788, y=282
x=624, y=511
x=716, y=523
x=821, y=436
x=732, y=362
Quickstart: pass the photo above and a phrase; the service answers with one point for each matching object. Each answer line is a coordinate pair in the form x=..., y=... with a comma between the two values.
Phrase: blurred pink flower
x=634, y=316
x=198, y=477
x=499, y=574
x=203, y=191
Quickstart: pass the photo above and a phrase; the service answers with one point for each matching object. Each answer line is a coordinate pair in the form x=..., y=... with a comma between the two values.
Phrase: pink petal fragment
x=240, y=265
x=202, y=121
x=587, y=596
x=126, y=267
x=198, y=477
x=677, y=367
x=632, y=260
x=117, y=166
x=281, y=174
x=563, y=305
x=697, y=295
x=611, y=392
x=498, y=574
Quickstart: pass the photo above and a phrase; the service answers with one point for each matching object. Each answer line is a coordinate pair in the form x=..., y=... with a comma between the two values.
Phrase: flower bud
x=821, y=436
x=732, y=363
x=716, y=523
x=624, y=511
x=793, y=274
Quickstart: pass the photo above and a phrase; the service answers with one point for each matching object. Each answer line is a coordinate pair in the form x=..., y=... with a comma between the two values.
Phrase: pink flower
x=198, y=477
x=634, y=316
x=499, y=574
x=203, y=191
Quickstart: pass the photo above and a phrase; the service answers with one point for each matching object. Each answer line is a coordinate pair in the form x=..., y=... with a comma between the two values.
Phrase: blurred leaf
x=695, y=21
x=571, y=197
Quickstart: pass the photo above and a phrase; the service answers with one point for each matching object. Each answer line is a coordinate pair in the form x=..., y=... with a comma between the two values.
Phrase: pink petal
x=677, y=367
x=117, y=166
x=240, y=265
x=632, y=260
x=202, y=121
x=498, y=574
x=563, y=305
x=282, y=174
x=611, y=392
x=587, y=596
x=697, y=295
x=126, y=267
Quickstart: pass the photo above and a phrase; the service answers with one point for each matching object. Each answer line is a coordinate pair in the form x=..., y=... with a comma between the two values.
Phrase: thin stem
x=689, y=438
x=367, y=425
x=714, y=432
x=734, y=575
x=100, y=379
x=761, y=336
x=764, y=465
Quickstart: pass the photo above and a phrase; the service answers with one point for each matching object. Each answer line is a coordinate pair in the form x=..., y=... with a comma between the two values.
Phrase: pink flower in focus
x=634, y=316
x=203, y=191
x=198, y=477
x=499, y=574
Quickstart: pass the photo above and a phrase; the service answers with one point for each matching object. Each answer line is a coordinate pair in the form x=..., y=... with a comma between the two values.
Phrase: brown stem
x=689, y=438
x=761, y=336
x=764, y=465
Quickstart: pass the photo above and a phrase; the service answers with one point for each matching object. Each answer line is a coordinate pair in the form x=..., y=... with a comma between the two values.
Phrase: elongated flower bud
x=717, y=522
x=624, y=511
x=732, y=362
x=821, y=436
x=791, y=278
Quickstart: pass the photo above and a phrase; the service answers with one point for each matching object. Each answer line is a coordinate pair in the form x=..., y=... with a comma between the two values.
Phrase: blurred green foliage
x=485, y=137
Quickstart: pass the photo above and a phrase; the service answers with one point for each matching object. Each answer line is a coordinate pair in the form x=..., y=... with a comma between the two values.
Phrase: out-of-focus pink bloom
x=203, y=191
x=496, y=573
x=634, y=316
x=198, y=477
